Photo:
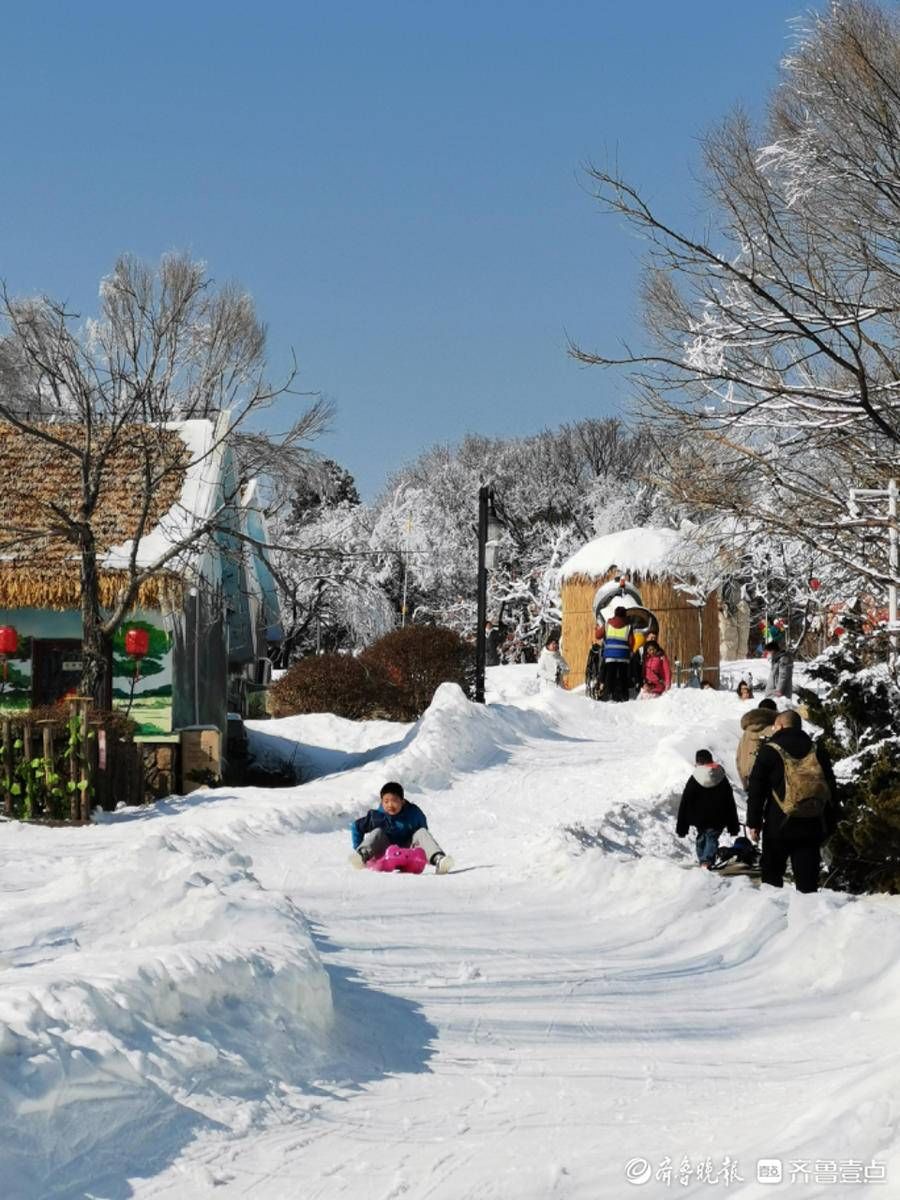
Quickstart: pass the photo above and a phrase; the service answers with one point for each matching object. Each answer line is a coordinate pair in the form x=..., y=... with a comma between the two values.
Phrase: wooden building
x=204, y=619
x=654, y=565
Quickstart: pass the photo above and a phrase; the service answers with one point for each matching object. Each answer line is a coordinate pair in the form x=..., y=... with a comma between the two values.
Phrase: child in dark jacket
x=396, y=822
x=707, y=803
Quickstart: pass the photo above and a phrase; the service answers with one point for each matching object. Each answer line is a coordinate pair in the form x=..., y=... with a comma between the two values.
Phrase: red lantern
x=9, y=644
x=137, y=642
x=815, y=584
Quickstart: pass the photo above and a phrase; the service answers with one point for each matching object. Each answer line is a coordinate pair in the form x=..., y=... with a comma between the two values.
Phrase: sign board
x=72, y=665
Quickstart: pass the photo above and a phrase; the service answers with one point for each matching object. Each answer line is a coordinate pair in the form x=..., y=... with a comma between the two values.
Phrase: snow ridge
x=196, y=990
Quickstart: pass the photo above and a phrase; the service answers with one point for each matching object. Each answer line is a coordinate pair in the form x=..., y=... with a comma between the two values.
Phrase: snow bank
x=633, y=551
x=155, y=988
x=316, y=744
x=452, y=737
x=455, y=736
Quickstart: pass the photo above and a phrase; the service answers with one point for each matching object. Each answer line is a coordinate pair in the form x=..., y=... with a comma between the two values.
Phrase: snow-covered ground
x=202, y=999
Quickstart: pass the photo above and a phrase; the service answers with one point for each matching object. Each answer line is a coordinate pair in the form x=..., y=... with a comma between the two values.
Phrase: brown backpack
x=806, y=790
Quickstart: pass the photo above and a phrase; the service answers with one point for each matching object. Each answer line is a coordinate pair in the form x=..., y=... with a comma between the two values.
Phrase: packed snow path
x=566, y=1002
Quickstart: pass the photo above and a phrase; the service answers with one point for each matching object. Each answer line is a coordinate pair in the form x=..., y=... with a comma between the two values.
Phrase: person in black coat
x=493, y=639
x=707, y=803
x=784, y=837
x=593, y=672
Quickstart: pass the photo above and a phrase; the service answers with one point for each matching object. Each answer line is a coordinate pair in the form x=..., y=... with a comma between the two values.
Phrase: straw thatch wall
x=684, y=630
x=34, y=587
x=39, y=565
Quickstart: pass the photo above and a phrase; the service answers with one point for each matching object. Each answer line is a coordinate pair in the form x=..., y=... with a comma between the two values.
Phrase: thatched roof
x=40, y=485
x=644, y=552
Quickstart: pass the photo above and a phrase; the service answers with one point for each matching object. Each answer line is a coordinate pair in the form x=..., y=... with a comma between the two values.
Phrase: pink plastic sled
x=412, y=860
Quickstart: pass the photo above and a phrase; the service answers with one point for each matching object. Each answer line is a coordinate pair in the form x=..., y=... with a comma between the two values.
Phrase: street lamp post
x=489, y=531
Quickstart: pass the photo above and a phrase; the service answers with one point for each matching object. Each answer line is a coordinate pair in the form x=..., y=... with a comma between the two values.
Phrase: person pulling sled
x=707, y=804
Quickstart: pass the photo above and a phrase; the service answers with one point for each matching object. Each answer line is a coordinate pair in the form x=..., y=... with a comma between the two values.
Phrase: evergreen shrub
x=857, y=704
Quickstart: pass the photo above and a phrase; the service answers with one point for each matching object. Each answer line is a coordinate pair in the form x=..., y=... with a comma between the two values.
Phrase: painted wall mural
x=142, y=687
x=48, y=656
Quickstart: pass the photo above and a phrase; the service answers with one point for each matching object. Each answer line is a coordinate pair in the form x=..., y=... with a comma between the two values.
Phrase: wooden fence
x=56, y=770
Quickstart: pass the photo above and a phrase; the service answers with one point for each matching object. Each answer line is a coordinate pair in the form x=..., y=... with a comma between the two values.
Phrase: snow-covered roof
x=200, y=493
x=632, y=551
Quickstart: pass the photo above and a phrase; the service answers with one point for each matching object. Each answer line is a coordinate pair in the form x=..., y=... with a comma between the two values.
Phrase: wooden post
x=7, y=767
x=26, y=758
x=74, y=798
x=99, y=764
x=86, y=774
x=47, y=750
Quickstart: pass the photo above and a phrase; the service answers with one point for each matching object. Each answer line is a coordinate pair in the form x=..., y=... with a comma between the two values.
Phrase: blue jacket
x=399, y=829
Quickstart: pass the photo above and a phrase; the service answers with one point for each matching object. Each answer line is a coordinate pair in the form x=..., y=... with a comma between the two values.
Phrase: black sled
x=740, y=858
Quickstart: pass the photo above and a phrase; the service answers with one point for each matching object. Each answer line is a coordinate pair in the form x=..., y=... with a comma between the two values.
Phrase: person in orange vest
x=618, y=645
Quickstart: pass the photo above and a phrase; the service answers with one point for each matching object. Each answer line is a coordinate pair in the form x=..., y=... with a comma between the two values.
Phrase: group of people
x=617, y=668
x=622, y=664
x=792, y=799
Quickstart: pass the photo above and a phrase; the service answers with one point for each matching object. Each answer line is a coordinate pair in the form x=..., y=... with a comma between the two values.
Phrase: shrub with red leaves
x=416, y=660
x=335, y=683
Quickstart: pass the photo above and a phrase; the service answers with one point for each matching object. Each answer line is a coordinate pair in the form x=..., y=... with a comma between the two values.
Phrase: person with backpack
x=792, y=801
x=755, y=725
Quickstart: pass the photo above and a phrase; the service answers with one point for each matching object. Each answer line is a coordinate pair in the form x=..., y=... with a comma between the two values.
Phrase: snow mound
x=455, y=736
x=185, y=993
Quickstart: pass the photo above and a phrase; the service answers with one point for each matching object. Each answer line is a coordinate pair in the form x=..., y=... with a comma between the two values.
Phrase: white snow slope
x=203, y=999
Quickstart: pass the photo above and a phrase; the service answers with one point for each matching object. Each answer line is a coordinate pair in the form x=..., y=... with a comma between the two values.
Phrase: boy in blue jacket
x=396, y=822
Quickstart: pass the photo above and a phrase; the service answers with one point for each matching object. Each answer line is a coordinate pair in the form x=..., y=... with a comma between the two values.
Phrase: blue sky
x=396, y=183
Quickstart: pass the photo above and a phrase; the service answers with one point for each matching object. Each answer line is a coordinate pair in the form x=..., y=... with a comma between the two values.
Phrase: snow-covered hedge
x=857, y=703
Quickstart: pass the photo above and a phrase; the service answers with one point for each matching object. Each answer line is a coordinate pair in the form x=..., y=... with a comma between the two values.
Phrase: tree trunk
x=95, y=644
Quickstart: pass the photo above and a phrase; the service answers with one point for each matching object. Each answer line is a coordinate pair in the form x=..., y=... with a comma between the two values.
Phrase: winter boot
x=359, y=858
x=442, y=863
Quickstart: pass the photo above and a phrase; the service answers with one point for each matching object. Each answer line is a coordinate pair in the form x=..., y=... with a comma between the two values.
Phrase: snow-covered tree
x=775, y=359
x=328, y=576
x=555, y=491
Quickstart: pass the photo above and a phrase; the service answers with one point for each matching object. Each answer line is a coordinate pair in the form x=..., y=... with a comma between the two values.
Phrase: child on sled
x=396, y=822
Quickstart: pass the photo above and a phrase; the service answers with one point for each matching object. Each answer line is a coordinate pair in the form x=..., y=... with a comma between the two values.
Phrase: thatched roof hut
x=40, y=486
x=655, y=564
